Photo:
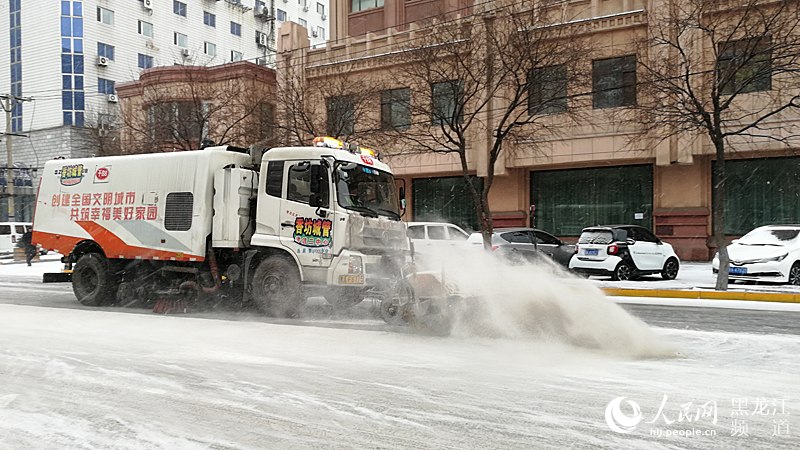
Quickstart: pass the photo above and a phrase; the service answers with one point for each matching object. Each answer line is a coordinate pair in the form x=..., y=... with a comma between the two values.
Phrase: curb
x=705, y=295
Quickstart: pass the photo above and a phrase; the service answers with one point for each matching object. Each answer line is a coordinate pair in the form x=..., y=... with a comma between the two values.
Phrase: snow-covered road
x=97, y=379
x=565, y=368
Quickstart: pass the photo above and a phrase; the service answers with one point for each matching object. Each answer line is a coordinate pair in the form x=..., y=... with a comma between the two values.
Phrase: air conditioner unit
x=314, y=33
x=305, y=8
x=324, y=16
x=261, y=39
x=185, y=52
x=112, y=98
x=102, y=61
x=147, y=4
x=261, y=11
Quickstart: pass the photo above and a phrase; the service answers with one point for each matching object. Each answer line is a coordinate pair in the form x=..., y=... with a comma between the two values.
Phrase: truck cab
x=336, y=210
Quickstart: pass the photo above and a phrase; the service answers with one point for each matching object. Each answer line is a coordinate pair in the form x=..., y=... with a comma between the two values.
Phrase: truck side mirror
x=402, y=198
x=315, y=172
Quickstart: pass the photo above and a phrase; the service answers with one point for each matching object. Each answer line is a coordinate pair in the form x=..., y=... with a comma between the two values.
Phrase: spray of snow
x=537, y=300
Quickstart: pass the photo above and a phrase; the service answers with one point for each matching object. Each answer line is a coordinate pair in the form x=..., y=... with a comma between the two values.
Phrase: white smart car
x=624, y=252
x=766, y=254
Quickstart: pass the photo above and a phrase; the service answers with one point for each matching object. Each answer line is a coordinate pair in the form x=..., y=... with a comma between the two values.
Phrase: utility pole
x=10, y=100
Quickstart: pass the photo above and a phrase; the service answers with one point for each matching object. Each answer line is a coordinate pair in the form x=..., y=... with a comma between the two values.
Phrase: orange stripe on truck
x=112, y=245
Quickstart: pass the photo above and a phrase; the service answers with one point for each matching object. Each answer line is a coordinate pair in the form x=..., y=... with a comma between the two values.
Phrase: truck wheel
x=92, y=280
x=276, y=287
x=343, y=298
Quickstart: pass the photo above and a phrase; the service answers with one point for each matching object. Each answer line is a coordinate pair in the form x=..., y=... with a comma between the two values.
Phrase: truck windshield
x=366, y=189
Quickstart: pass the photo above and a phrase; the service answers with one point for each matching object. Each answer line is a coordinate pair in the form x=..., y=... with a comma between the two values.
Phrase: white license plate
x=351, y=279
x=738, y=271
x=590, y=251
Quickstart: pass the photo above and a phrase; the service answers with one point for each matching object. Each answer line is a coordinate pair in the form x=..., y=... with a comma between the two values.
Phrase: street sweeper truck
x=262, y=227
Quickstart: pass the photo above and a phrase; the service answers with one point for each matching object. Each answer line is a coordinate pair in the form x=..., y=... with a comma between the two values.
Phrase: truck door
x=306, y=230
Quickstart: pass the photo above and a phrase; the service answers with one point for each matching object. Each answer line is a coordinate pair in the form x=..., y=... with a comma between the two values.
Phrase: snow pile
x=539, y=301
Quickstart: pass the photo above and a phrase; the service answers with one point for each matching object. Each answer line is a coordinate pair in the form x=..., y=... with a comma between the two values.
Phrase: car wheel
x=670, y=270
x=622, y=272
x=276, y=287
x=92, y=280
x=794, y=274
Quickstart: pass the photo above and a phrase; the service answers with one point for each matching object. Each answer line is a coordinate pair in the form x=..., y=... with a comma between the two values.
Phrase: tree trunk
x=487, y=227
x=718, y=216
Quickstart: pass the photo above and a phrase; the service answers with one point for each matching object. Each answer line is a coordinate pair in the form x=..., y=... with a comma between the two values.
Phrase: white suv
x=624, y=252
x=434, y=240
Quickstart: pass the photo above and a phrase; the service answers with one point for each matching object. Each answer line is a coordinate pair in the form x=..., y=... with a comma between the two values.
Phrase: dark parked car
x=528, y=243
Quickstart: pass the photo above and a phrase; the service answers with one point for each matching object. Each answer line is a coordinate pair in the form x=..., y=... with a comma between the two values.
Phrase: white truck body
x=183, y=208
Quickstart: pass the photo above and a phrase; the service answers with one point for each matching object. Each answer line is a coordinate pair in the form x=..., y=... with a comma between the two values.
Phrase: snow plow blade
x=58, y=277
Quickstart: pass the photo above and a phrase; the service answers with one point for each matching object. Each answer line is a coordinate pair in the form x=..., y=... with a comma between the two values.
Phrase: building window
x=614, y=82
x=445, y=199
x=105, y=50
x=361, y=5
x=760, y=192
x=181, y=40
x=303, y=22
x=145, y=61
x=447, y=97
x=547, y=90
x=569, y=200
x=15, y=31
x=183, y=121
x=209, y=19
x=210, y=49
x=280, y=15
x=396, y=109
x=236, y=29
x=145, y=28
x=341, y=116
x=320, y=33
x=745, y=66
x=105, y=86
x=320, y=9
x=236, y=56
x=105, y=16
x=179, y=8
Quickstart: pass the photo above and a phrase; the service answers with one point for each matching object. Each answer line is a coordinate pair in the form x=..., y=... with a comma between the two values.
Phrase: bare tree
x=332, y=104
x=182, y=107
x=726, y=70
x=486, y=84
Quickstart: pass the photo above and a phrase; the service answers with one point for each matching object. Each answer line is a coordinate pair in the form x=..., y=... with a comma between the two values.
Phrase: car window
x=436, y=233
x=595, y=237
x=5, y=229
x=631, y=234
x=621, y=234
x=646, y=235
x=299, y=184
x=516, y=237
x=20, y=229
x=456, y=234
x=416, y=232
x=766, y=236
x=544, y=238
